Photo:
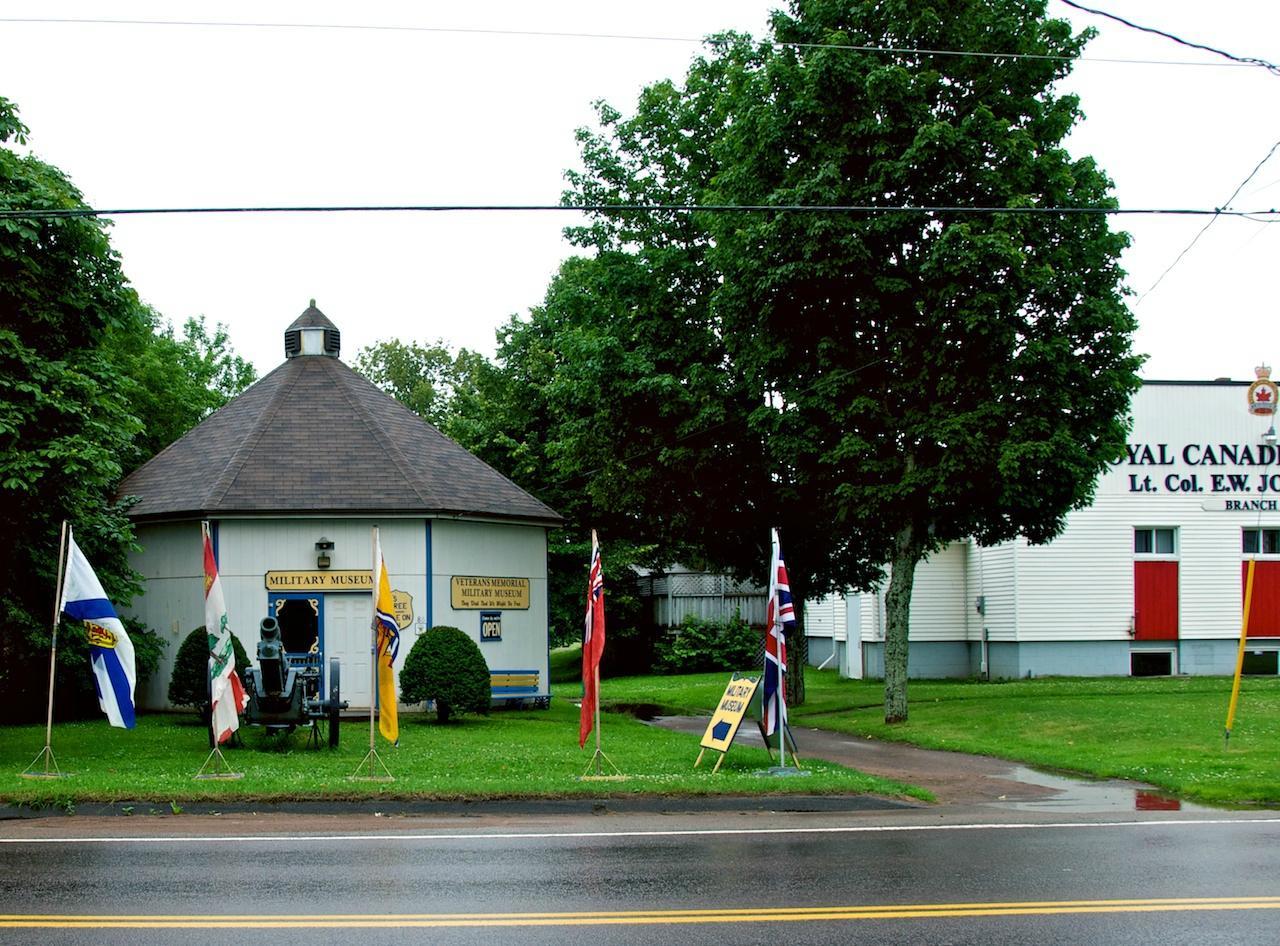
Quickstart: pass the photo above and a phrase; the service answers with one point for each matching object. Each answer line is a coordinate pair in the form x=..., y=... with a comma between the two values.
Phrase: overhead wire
x=47, y=213
x=1212, y=220
x=1241, y=60
x=559, y=34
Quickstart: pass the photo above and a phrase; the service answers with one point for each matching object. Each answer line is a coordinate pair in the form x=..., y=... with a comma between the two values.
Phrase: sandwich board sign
x=728, y=717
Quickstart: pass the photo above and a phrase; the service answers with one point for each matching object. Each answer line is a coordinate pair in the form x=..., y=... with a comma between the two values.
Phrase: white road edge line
x=691, y=832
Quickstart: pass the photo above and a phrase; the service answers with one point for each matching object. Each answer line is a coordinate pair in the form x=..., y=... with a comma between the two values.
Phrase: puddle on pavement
x=1074, y=794
x=645, y=712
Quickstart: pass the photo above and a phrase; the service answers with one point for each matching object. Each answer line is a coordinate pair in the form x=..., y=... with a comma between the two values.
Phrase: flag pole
x=782, y=718
x=599, y=751
x=774, y=630
x=1244, y=636
x=372, y=756
x=373, y=639
x=592, y=646
x=216, y=766
x=46, y=754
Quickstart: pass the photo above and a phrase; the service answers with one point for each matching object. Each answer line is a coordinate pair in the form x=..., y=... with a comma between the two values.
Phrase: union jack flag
x=779, y=615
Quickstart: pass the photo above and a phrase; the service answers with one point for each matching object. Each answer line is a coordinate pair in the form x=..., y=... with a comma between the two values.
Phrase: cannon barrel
x=271, y=659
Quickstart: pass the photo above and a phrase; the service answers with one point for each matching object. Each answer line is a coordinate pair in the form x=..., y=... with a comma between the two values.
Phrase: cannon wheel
x=335, y=701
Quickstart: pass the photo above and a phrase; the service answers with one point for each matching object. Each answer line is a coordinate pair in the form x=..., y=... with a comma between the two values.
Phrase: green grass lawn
x=1164, y=731
x=509, y=754
x=566, y=664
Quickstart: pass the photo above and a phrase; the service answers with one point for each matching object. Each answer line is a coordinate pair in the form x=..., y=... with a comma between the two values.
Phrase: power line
x=1246, y=60
x=1211, y=221
x=1242, y=60
x=554, y=34
x=60, y=213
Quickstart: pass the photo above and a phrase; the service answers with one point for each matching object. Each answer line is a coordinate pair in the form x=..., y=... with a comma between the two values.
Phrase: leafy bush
x=700, y=646
x=189, y=685
x=446, y=665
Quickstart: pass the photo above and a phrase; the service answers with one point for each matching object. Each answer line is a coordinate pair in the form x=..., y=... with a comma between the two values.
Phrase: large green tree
x=88, y=389
x=502, y=413
x=65, y=424
x=172, y=381
x=426, y=378
x=597, y=340
x=919, y=374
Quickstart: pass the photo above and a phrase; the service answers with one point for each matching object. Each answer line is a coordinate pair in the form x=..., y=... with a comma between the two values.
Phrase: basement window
x=1151, y=663
x=1262, y=663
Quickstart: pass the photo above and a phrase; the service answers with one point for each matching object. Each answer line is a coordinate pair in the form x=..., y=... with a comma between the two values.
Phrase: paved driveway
x=961, y=780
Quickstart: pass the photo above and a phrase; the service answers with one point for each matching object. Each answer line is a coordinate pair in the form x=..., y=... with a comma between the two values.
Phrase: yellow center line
x=633, y=917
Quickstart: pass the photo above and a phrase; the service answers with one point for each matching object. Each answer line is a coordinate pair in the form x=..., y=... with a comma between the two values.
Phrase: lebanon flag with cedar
x=226, y=692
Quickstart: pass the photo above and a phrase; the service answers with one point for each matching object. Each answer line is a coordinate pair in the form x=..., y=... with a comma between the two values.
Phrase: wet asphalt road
x=248, y=870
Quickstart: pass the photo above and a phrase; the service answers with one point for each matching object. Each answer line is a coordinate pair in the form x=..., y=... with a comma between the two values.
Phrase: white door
x=347, y=637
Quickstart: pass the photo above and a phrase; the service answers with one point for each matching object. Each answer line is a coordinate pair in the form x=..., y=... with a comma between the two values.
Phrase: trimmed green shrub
x=189, y=685
x=700, y=646
x=446, y=665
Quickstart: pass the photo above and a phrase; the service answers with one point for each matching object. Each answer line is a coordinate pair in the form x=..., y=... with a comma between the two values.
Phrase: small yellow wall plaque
x=402, y=602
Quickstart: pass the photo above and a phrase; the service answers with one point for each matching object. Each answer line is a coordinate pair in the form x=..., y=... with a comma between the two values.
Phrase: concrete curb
x=587, y=805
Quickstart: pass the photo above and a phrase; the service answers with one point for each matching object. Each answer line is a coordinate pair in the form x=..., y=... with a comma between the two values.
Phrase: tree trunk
x=797, y=657
x=906, y=554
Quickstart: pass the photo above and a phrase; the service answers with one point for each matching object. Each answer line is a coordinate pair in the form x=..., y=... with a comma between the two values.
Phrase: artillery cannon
x=285, y=690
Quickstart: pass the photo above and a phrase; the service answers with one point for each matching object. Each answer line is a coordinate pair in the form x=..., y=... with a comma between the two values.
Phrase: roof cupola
x=312, y=334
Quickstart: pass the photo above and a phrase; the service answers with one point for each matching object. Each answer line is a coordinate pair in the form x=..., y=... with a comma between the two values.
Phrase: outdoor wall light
x=323, y=548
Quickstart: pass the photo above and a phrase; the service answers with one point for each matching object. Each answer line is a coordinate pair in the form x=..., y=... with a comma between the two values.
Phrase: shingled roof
x=315, y=437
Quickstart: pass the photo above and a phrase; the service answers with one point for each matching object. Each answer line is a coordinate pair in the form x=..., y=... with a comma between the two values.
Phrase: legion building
x=1147, y=580
x=292, y=475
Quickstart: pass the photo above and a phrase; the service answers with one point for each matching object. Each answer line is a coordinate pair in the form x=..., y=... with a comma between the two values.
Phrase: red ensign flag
x=592, y=644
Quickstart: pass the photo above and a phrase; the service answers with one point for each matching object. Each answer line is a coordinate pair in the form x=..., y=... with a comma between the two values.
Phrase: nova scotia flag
x=110, y=650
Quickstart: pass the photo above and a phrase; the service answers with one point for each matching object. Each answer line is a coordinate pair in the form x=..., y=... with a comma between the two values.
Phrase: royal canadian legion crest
x=1263, y=393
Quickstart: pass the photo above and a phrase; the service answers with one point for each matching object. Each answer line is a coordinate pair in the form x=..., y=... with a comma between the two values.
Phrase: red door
x=1155, y=601
x=1264, y=608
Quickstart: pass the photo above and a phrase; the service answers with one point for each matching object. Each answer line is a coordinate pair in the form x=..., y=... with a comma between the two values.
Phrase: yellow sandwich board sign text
x=728, y=717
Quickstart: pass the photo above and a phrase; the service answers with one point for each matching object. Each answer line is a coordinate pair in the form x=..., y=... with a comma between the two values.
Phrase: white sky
x=151, y=116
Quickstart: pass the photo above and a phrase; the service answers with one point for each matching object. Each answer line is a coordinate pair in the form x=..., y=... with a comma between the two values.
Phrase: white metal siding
x=173, y=603
x=826, y=617
x=1080, y=586
x=496, y=550
x=249, y=548
x=938, y=596
x=997, y=585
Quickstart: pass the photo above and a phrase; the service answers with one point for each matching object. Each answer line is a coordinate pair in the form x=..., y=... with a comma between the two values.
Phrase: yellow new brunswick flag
x=388, y=647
